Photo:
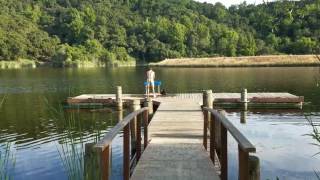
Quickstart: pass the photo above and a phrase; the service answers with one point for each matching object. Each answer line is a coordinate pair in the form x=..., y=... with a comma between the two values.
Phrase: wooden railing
x=219, y=126
x=103, y=147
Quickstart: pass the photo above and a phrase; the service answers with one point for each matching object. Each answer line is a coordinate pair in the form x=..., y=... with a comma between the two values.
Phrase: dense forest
x=63, y=31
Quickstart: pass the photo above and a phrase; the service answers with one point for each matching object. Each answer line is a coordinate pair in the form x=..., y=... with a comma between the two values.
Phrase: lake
x=42, y=136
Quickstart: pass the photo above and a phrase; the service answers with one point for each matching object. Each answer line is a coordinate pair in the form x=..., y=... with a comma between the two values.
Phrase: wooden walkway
x=175, y=150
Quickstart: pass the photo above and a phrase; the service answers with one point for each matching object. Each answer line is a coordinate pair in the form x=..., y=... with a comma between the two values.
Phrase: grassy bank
x=73, y=64
x=21, y=63
x=246, y=61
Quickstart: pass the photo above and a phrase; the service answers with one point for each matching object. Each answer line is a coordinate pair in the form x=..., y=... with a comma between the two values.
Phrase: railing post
x=90, y=166
x=243, y=164
x=126, y=152
x=119, y=98
x=148, y=103
x=217, y=131
x=212, y=139
x=224, y=153
x=135, y=105
x=207, y=98
x=145, y=128
x=205, y=129
x=104, y=162
x=254, y=168
x=138, y=142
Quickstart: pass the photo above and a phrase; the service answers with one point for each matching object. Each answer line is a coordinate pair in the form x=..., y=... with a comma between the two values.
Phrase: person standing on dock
x=150, y=81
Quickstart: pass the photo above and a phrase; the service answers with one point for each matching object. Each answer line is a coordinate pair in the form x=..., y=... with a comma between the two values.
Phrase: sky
x=227, y=3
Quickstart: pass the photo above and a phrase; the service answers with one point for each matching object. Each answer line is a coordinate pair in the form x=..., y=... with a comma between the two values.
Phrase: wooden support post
x=126, y=152
x=145, y=128
x=104, y=162
x=217, y=131
x=205, y=129
x=135, y=105
x=212, y=139
x=254, y=168
x=90, y=171
x=207, y=102
x=244, y=99
x=138, y=142
x=243, y=164
x=148, y=103
x=120, y=115
x=119, y=98
x=224, y=153
x=159, y=89
x=243, y=117
x=207, y=99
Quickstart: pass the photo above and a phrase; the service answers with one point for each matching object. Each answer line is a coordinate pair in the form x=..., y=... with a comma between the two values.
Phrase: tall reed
x=71, y=147
x=7, y=158
x=315, y=134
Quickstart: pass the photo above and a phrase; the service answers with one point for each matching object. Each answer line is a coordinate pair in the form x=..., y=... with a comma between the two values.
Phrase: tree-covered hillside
x=149, y=30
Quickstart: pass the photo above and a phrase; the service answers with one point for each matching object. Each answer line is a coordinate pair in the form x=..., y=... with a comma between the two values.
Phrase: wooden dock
x=175, y=150
x=184, y=139
x=223, y=100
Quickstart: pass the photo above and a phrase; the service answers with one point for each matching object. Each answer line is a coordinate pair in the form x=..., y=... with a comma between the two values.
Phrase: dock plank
x=175, y=150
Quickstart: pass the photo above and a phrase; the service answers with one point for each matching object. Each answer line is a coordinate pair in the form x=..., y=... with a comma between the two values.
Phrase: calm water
x=38, y=132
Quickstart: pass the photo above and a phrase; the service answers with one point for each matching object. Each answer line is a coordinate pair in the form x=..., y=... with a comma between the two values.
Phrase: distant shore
x=245, y=61
x=26, y=63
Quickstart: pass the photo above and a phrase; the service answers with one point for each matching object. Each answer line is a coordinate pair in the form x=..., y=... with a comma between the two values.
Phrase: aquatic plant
x=7, y=158
x=7, y=161
x=315, y=132
x=71, y=148
x=316, y=136
x=2, y=101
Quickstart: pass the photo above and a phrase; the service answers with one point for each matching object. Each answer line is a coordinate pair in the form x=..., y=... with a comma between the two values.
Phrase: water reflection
x=284, y=149
x=26, y=119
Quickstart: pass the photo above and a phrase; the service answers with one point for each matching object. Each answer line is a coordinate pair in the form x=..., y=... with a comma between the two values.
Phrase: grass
x=316, y=136
x=72, y=146
x=21, y=63
x=7, y=161
x=2, y=100
x=245, y=61
x=7, y=158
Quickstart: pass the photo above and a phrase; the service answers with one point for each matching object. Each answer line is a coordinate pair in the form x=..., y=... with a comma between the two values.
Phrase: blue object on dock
x=156, y=83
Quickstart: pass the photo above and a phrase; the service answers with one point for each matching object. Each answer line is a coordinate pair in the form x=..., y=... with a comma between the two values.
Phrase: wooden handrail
x=219, y=127
x=107, y=139
x=244, y=143
x=103, y=147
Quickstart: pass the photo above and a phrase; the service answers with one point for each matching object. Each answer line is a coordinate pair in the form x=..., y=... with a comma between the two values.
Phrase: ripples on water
x=283, y=145
x=37, y=135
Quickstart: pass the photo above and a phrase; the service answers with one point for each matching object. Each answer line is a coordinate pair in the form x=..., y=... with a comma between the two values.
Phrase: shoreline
x=32, y=64
x=245, y=61
x=213, y=62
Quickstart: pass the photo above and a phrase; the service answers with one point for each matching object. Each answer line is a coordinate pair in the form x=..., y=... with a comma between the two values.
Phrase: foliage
x=68, y=31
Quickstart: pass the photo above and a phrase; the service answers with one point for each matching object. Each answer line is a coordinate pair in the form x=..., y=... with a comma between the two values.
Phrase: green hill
x=103, y=31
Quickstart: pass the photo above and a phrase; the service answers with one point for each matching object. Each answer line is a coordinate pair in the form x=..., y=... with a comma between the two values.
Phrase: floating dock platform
x=223, y=100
